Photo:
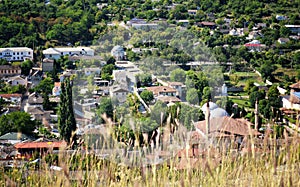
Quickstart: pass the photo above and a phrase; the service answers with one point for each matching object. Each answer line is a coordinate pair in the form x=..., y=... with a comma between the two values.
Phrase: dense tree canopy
x=17, y=122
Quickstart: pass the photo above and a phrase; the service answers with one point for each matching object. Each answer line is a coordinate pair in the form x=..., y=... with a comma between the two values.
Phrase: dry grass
x=267, y=168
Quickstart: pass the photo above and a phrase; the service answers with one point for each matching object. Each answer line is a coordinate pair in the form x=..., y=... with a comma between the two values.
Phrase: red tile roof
x=37, y=145
x=10, y=95
x=253, y=45
x=227, y=125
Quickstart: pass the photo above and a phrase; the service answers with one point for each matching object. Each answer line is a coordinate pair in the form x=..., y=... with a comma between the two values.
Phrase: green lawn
x=240, y=101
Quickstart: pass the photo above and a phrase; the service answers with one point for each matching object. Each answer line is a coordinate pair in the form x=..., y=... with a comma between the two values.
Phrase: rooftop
x=227, y=125
x=36, y=145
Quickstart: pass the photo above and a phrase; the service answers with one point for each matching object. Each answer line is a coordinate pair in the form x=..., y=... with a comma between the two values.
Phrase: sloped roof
x=160, y=89
x=10, y=95
x=37, y=145
x=227, y=125
x=168, y=99
x=175, y=83
x=295, y=85
x=15, y=136
x=35, y=98
x=36, y=110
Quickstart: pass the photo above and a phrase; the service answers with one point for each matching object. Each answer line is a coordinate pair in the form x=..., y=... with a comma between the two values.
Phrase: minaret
x=256, y=115
x=207, y=118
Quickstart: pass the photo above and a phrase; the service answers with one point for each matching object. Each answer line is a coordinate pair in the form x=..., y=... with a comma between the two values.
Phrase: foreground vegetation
x=267, y=167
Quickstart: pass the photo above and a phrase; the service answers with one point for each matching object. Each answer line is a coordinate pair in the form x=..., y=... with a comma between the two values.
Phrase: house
x=237, y=32
x=14, y=137
x=27, y=149
x=283, y=40
x=35, y=100
x=56, y=89
x=253, y=35
x=47, y=65
x=169, y=100
x=183, y=23
x=8, y=70
x=136, y=21
x=39, y=114
x=259, y=26
x=17, y=80
x=292, y=101
x=255, y=46
x=207, y=24
x=192, y=12
x=85, y=109
x=89, y=71
x=16, y=53
x=35, y=74
x=225, y=130
x=13, y=99
x=56, y=53
x=294, y=28
x=65, y=74
x=162, y=90
x=145, y=26
x=178, y=86
x=281, y=17
x=119, y=92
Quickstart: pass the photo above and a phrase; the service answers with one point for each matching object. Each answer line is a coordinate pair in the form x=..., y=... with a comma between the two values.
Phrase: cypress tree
x=66, y=120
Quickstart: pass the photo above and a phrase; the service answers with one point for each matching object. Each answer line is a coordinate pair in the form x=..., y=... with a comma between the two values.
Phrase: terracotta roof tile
x=227, y=125
x=36, y=145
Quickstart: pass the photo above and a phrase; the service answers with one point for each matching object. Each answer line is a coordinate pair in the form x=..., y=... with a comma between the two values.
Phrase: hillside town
x=173, y=84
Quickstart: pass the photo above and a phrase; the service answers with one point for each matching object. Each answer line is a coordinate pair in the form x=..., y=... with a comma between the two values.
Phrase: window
x=0, y=53
x=29, y=53
x=14, y=53
x=17, y=53
x=18, y=58
x=62, y=53
x=14, y=58
x=50, y=55
x=21, y=53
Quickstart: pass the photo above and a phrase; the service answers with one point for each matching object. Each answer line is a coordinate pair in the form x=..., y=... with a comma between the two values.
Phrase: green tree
x=256, y=95
x=45, y=86
x=159, y=112
x=177, y=75
x=17, y=122
x=144, y=79
x=273, y=96
x=207, y=93
x=105, y=107
x=26, y=67
x=66, y=119
x=192, y=96
x=147, y=96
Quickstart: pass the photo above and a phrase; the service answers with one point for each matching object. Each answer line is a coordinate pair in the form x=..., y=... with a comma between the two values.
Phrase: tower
x=207, y=118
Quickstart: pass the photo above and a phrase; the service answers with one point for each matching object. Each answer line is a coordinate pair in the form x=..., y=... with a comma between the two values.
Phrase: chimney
x=256, y=115
x=207, y=118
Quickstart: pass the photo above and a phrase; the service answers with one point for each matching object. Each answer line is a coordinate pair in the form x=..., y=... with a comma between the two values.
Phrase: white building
x=56, y=53
x=89, y=71
x=16, y=53
x=17, y=80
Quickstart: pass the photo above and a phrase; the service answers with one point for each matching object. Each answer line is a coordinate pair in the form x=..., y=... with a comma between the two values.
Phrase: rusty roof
x=10, y=95
x=227, y=125
x=37, y=145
